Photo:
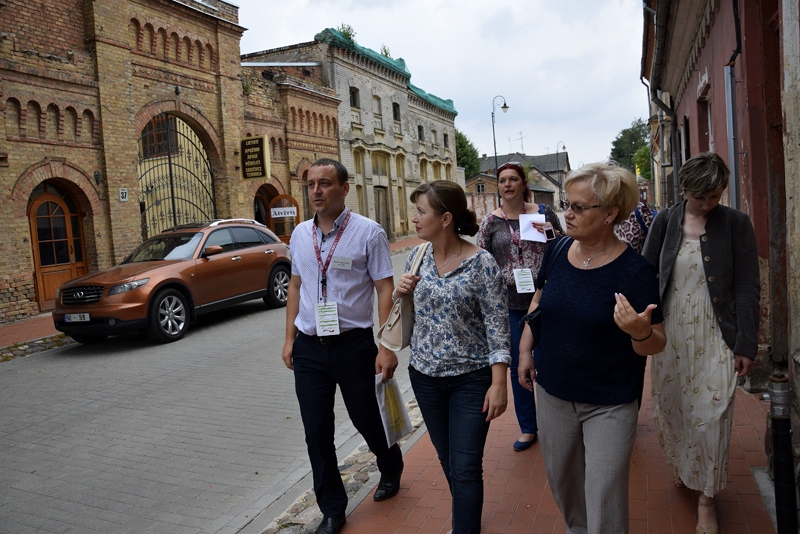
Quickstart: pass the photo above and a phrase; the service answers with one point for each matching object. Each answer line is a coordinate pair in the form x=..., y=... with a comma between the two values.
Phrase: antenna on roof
x=521, y=147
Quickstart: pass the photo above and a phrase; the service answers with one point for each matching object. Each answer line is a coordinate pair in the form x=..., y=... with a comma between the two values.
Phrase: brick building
x=392, y=135
x=123, y=117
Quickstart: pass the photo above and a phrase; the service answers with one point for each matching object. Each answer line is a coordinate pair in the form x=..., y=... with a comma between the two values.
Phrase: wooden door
x=58, y=249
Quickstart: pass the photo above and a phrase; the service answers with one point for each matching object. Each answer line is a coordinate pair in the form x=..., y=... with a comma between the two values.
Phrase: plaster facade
x=391, y=134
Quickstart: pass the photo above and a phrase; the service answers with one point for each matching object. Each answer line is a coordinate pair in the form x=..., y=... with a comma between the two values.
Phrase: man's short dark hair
x=341, y=171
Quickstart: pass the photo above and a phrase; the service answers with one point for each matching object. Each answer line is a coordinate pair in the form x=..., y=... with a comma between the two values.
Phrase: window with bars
x=158, y=137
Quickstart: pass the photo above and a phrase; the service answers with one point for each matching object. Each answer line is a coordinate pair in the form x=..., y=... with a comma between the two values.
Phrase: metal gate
x=175, y=176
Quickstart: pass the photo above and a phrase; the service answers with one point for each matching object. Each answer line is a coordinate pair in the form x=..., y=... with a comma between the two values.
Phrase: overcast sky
x=569, y=69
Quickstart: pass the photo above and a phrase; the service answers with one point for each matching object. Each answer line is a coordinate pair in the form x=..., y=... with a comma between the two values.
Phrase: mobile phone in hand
x=549, y=232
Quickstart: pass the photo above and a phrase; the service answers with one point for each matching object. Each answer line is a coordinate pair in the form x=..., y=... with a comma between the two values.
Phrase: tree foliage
x=642, y=161
x=347, y=31
x=467, y=155
x=628, y=141
x=385, y=51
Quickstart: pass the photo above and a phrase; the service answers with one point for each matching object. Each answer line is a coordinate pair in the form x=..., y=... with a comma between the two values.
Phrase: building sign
x=278, y=213
x=255, y=157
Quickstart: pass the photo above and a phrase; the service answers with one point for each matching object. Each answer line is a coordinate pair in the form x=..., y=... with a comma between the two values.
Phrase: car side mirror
x=211, y=250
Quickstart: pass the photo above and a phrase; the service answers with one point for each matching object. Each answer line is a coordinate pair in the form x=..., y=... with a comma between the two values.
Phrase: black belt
x=350, y=335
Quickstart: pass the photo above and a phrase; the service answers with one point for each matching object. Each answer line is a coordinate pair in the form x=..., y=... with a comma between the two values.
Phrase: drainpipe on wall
x=730, y=112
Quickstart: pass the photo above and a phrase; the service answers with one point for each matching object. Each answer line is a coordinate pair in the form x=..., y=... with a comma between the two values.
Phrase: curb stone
x=355, y=469
x=26, y=348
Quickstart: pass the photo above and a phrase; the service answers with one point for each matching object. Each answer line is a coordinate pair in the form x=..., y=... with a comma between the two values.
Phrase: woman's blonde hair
x=614, y=186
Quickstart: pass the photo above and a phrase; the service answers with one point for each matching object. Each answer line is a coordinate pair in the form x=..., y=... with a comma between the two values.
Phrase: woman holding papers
x=707, y=259
x=460, y=342
x=600, y=318
x=519, y=260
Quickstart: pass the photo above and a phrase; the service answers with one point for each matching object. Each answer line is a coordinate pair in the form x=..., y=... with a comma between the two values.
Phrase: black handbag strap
x=546, y=268
x=551, y=259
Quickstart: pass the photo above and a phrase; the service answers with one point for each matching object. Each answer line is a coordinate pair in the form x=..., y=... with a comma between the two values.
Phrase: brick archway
x=204, y=129
x=55, y=168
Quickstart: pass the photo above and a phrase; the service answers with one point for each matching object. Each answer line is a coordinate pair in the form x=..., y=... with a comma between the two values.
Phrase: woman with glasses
x=600, y=318
x=460, y=342
x=500, y=235
x=709, y=281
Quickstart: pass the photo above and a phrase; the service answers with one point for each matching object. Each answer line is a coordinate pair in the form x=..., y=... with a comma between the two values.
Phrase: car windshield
x=166, y=247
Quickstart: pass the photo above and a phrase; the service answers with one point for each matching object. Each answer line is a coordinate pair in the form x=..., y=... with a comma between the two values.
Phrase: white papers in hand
x=526, y=229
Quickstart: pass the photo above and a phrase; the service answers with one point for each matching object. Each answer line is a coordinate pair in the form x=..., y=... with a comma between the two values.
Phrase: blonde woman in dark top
x=600, y=319
x=499, y=234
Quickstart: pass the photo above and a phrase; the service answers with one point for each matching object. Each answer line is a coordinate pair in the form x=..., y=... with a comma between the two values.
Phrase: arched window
x=147, y=38
x=33, y=117
x=302, y=119
x=134, y=34
x=280, y=149
x=198, y=53
x=51, y=128
x=12, y=117
x=186, y=50
x=87, y=127
x=209, y=57
x=174, y=45
x=161, y=43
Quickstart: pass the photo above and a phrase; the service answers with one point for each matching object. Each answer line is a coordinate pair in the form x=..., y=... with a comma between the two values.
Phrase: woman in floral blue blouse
x=460, y=343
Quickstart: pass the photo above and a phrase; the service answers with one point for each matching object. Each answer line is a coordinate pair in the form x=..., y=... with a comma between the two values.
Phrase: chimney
x=484, y=156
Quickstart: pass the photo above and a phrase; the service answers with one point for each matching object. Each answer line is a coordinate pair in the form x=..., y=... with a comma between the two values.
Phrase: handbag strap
x=551, y=259
x=418, y=258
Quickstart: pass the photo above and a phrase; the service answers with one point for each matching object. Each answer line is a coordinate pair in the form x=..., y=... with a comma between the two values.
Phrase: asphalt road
x=198, y=436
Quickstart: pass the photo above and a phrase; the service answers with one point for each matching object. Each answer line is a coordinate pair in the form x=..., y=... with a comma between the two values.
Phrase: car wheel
x=87, y=340
x=278, y=287
x=169, y=316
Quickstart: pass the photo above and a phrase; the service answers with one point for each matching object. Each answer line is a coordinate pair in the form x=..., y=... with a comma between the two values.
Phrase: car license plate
x=77, y=318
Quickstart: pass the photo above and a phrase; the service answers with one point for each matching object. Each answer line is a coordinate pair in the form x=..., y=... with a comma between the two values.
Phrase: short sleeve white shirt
x=364, y=242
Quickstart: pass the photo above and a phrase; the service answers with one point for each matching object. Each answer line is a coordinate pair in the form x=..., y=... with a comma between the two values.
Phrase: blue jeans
x=524, y=401
x=452, y=409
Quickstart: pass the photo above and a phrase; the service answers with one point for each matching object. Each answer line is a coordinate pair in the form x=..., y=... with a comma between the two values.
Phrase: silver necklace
x=588, y=260
x=440, y=267
x=696, y=233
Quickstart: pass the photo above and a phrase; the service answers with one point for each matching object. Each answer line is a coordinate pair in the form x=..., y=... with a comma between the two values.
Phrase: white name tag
x=523, y=278
x=327, y=316
x=340, y=262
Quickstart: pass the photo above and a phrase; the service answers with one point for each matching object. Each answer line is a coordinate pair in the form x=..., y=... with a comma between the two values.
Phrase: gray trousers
x=587, y=453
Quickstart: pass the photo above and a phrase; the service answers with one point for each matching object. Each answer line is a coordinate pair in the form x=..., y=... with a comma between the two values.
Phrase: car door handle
x=269, y=252
x=236, y=258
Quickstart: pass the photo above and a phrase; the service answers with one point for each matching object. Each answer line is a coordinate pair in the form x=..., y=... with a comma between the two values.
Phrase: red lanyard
x=324, y=268
x=517, y=240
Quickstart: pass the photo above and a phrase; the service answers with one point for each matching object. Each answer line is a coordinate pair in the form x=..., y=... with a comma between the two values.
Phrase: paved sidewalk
x=518, y=499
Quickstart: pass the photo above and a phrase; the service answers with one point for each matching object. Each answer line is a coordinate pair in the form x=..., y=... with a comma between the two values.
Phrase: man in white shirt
x=338, y=258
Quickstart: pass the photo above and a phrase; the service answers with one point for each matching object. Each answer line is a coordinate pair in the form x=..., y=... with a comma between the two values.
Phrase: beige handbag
x=395, y=333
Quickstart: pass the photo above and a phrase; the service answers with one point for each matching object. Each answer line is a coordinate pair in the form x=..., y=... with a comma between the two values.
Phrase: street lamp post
x=504, y=107
x=560, y=167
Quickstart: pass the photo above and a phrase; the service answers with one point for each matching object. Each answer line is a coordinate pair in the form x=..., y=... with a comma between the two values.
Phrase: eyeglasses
x=577, y=209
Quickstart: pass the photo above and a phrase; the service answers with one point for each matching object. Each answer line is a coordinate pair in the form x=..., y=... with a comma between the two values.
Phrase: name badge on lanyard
x=327, y=318
x=523, y=278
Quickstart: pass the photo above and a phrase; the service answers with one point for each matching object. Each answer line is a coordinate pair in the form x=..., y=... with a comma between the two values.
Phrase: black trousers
x=318, y=369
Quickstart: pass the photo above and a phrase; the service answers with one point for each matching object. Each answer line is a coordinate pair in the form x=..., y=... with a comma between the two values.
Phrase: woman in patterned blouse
x=500, y=235
x=460, y=343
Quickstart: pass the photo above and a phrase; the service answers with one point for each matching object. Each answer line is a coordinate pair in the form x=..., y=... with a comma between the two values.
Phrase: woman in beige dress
x=709, y=282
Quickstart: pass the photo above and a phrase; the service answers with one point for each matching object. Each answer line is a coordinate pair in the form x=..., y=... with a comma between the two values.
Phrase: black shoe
x=388, y=486
x=331, y=525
